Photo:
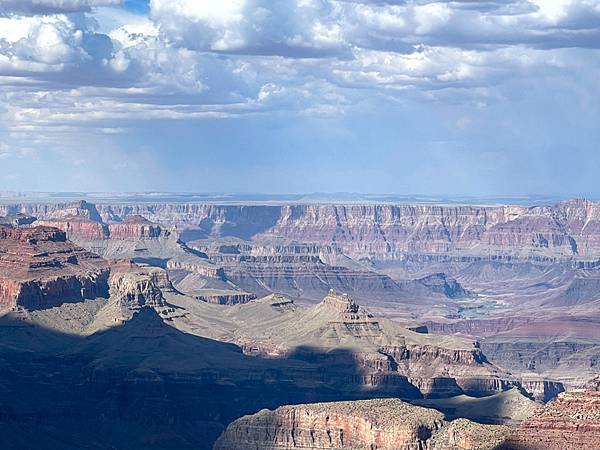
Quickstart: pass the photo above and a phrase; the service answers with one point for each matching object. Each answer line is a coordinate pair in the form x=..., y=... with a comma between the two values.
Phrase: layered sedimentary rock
x=82, y=228
x=566, y=348
x=139, y=383
x=543, y=257
x=572, y=421
x=134, y=238
x=39, y=268
x=308, y=271
x=385, y=424
x=340, y=334
x=555, y=345
x=383, y=232
x=136, y=286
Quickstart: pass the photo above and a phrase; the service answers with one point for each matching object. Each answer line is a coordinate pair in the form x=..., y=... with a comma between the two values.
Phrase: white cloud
x=40, y=44
x=296, y=28
x=196, y=59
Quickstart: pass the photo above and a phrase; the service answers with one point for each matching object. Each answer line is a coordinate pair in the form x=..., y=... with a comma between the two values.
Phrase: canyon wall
x=309, y=271
x=39, y=268
x=383, y=232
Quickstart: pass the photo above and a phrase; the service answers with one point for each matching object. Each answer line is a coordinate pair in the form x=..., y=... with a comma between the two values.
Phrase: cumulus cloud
x=196, y=59
x=301, y=28
x=298, y=28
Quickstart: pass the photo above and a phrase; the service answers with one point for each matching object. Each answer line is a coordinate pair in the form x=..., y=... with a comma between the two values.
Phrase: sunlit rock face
x=134, y=238
x=570, y=421
x=39, y=268
x=360, y=425
x=387, y=232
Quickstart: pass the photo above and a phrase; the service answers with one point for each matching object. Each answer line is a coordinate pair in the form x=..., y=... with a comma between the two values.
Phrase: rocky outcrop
x=227, y=298
x=388, y=424
x=39, y=269
x=57, y=210
x=542, y=390
x=201, y=266
x=79, y=228
x=137, y=228
x=82, y=228
x=442, y=284
x=569, y=422
x=135, y=287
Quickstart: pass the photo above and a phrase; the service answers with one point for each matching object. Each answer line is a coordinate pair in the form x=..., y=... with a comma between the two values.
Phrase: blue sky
x=403, y=97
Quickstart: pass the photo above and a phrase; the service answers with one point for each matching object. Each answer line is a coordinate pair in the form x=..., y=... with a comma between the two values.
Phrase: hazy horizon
x=257, y=198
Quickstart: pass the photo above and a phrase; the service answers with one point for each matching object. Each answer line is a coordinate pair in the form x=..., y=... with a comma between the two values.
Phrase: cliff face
x=309, y=271
x=360, y=425
x=82, y=228
x=136, y=287
x=389, y=232
x=79, y=228
x=570, y=421
x=134, y=238
x=39, y=268
x=382, y=232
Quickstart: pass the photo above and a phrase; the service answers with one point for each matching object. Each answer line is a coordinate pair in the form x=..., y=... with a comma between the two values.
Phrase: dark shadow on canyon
x=243, y=223
x=145, y=384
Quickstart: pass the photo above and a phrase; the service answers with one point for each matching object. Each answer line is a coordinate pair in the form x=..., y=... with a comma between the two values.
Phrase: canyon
x=123, y=330
x=449, y=268
x=569, y=229
x=480, y=312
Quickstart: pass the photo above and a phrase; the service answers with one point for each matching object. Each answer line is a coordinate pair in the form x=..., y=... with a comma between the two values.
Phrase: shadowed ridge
x=144, y=383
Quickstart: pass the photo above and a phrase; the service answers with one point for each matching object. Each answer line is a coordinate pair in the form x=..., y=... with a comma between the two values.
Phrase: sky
x=462, y=97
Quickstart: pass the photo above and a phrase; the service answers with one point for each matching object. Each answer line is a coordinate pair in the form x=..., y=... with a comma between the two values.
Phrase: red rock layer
x=567, y=229
x=81, y=228
x=572, y=421
x=134, y=228
x=39, y=268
